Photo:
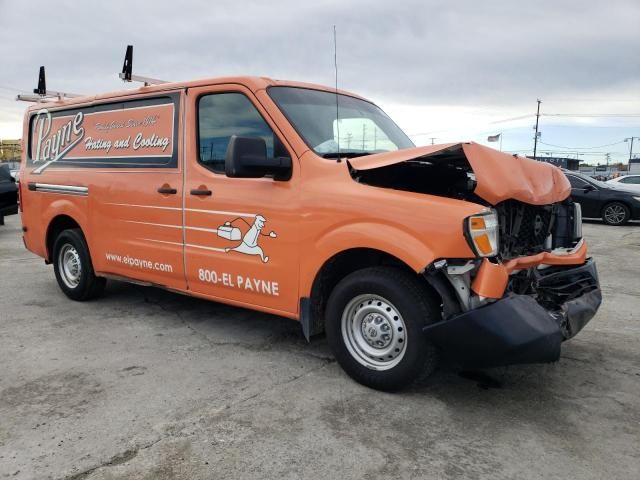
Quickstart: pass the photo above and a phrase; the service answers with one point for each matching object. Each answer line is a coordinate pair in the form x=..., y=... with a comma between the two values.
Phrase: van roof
x=253, y=83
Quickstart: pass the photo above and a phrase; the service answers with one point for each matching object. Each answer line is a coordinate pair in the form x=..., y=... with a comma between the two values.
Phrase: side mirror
x=589, y=188
x=246, y=157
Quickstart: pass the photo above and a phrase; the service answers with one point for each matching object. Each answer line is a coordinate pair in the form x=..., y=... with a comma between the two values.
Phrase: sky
x=444, y=70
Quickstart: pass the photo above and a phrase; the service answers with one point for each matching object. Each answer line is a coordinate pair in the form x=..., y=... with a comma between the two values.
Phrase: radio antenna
x=335, y=65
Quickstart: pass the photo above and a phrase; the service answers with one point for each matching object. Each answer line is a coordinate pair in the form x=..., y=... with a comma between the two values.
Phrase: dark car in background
x=614, y=204
x=8, y=194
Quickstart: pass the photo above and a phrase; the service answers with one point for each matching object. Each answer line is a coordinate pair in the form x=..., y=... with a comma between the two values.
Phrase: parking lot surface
x=144, y=383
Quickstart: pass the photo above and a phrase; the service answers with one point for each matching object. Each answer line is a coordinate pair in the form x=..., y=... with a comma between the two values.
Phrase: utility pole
x=433, y=139
x=364, y=134
x=630, y=139
x=535, y=139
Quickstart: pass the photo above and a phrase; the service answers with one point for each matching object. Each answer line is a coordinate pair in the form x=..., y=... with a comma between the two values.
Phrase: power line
x=512, y=119
x=522, y=117
x=580, y=148
x=584, y=153
x=590, y=115
x=592, y=99
x=13, y=89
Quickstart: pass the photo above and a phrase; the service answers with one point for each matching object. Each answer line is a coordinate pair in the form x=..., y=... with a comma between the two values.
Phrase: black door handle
x=201, y=192
x=167, y=190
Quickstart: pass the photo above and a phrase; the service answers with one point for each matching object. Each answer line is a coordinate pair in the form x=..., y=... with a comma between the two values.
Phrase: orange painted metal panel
x=499, y=176
x=317, y=214
x=492, y=278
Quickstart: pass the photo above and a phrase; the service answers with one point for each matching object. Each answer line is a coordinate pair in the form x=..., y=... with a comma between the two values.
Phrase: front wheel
x=374, y=321
x=73, y=267
x=615, y=213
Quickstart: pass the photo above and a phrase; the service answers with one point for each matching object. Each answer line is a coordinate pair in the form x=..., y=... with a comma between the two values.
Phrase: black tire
x=86, y=285
x=417, y=306
x=1, y=219
x=616, y=213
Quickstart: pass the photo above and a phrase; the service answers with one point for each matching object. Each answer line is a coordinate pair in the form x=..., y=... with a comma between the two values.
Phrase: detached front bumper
x=520, y=328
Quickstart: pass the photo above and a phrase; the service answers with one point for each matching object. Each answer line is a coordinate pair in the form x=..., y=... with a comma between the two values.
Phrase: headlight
x=481, y=231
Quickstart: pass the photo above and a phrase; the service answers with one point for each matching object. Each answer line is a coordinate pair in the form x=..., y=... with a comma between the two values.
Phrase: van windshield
x=363, y=128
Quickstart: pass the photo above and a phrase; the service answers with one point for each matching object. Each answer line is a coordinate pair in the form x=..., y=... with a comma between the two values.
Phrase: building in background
x=10, y=150
x=605, y=172
x=562, y=162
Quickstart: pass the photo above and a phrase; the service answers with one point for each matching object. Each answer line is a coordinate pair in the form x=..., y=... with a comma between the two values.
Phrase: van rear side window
x=129, y=134
x=221, y=115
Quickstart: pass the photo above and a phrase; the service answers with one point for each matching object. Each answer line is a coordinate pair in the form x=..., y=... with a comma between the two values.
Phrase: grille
x=524, y=228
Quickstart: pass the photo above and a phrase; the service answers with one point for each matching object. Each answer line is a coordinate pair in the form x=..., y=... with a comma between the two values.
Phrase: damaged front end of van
x=531, y=285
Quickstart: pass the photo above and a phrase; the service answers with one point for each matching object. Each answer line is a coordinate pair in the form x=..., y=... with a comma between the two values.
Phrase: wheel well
x=334, y=270
x=57, y=226
x=609, y=202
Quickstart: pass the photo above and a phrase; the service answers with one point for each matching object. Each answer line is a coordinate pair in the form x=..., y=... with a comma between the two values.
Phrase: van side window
x=221, y=115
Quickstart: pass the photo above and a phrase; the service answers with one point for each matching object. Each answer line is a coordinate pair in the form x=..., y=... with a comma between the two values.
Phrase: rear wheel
x=615, y=213
x=73, y=267
x=374, y=322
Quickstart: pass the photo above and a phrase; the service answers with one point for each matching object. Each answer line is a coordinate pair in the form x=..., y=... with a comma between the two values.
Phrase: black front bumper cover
x=518, y=328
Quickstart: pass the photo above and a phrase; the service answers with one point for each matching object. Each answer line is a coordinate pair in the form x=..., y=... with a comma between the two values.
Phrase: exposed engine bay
x=525, y=229
x=446, y=174
x=531, y=229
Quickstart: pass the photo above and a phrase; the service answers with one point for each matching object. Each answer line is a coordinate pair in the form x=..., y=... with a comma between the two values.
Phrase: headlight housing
x=481, y=231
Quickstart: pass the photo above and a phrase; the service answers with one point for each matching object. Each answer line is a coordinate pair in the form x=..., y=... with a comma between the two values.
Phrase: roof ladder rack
x=42, y=94
x=127, y=71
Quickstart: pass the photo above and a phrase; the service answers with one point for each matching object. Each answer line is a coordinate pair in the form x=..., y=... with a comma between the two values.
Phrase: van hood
x=498, y=176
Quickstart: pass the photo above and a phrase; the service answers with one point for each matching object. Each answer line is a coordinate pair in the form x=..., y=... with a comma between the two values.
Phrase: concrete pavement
x=148, y=384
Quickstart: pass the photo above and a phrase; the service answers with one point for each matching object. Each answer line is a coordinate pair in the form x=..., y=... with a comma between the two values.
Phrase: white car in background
x=629, y=182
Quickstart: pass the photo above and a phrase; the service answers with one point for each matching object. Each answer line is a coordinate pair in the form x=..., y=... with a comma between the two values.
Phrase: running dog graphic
x=249, y=244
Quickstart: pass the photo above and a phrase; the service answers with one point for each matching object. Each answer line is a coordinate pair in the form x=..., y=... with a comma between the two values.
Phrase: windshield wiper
x=345, y=154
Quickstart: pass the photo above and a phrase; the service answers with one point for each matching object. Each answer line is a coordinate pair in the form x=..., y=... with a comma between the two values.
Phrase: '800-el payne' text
x=248, y=284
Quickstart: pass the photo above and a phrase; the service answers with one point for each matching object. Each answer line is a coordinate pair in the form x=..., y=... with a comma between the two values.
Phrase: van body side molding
x=64, y=189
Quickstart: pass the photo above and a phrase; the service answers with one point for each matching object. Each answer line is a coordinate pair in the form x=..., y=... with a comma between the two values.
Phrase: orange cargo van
x=310, y=203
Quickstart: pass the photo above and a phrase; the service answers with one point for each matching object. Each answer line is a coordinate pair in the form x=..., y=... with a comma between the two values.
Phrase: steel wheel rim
x=374, y=332
x=69, y=265
x=614, y=213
